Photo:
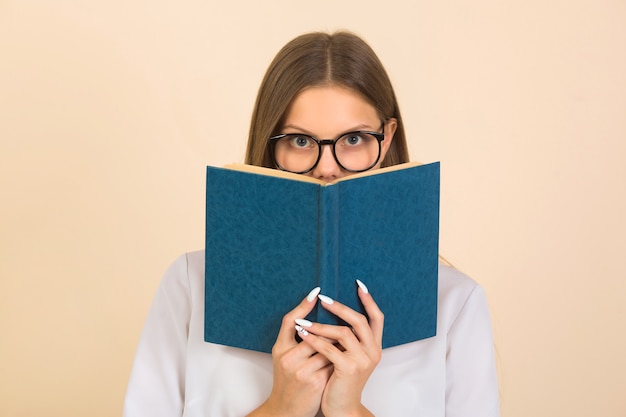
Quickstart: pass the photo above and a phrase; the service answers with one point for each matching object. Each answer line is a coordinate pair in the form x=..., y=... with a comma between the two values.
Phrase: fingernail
x=362, y=286
x=325, y=299
x=304, y=323
x=313, y=294
x=301, y=330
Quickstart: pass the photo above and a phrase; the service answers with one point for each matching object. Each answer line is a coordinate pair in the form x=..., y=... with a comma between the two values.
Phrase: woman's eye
x=301, y=141
x=353, y=140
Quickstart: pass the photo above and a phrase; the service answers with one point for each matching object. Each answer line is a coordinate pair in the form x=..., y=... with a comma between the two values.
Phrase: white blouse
x=176, y=373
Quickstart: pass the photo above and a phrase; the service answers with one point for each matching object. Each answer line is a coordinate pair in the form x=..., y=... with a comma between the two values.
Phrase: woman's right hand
x=300, y=375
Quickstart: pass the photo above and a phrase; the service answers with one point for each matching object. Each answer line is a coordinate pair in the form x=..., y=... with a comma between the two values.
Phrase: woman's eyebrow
x=307, y=132
x=298, y=128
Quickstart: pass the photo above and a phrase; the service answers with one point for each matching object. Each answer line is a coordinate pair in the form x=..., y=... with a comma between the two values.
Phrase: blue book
x=273, y=236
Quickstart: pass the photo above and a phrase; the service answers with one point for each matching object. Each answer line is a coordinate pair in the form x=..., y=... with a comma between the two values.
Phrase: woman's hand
x=300, y=375
x=354, y=357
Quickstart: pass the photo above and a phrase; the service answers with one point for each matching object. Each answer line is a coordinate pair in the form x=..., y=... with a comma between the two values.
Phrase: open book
x=272, y=236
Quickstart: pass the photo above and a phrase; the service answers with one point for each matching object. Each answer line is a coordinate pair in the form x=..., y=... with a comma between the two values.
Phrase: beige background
x=110, y=110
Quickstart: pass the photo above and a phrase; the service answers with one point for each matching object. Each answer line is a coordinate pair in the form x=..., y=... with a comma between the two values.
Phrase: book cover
x=272, y=236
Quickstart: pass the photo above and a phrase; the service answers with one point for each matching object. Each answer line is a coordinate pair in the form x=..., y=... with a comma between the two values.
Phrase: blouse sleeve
x=471, y=380
x=156, y=385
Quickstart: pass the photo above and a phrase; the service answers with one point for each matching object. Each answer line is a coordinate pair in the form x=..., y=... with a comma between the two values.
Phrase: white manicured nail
x=314, y=292
x=301, y=330
x=362, y=286
x=303, y=323
x=325, y=299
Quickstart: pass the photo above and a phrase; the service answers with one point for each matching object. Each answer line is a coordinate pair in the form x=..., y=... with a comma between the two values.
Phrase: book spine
x=328, y=248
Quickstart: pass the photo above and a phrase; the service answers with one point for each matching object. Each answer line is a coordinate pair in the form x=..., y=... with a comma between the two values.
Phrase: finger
x=304, y=357
x=356, y=320
x=376, y=316
x=285, y=338
x=346, y=337
x=320, y=343
x=341, y=337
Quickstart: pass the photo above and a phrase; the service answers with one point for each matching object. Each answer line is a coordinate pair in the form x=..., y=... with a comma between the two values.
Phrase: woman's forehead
x=329, y=110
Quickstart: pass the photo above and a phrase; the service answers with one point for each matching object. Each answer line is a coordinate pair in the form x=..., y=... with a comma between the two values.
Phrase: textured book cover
x=271, y=237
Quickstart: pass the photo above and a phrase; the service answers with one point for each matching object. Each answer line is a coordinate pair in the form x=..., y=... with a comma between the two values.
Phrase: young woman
x=326, y=108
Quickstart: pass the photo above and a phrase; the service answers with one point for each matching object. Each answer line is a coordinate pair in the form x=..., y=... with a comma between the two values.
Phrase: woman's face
x=327, y=112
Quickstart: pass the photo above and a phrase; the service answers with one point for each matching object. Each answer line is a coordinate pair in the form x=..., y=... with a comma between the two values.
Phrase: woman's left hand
x=354, y=356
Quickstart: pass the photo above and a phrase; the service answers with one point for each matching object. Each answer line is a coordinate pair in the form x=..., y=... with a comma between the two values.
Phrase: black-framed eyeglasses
x=299, y=153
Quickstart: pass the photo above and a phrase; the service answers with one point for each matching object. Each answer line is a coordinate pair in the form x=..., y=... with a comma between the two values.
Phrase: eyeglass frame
x=379, y=136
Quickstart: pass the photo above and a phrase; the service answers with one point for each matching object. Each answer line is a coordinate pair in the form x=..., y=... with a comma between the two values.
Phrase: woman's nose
x=327, y=168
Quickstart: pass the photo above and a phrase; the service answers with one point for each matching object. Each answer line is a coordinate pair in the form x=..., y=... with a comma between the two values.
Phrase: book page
x=305, y=178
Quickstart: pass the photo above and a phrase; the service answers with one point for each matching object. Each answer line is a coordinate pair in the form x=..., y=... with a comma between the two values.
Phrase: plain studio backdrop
x=110, y=111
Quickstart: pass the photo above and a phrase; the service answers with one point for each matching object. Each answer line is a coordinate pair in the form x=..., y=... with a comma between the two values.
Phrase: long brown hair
x=318, y=59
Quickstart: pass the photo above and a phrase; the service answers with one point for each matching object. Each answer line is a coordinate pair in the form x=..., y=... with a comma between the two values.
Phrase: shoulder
x=454, y=282
x=195, y=262
x=184, y=275
x=188, y=260
x=457, y=293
